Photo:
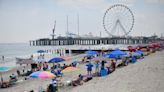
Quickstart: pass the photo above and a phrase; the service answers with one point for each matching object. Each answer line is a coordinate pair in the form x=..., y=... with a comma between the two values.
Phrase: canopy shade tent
x=56, y=60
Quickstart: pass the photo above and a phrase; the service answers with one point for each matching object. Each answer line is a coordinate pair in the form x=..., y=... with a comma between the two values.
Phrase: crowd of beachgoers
x=98, y=64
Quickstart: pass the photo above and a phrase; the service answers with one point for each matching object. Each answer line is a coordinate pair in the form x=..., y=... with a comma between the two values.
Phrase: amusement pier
x=117, y=29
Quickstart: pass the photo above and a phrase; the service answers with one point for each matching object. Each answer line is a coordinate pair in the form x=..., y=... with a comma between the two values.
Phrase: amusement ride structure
x=118, y=21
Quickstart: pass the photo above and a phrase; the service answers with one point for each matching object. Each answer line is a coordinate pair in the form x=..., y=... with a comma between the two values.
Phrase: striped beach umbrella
x=70, y=69
x=42, y=74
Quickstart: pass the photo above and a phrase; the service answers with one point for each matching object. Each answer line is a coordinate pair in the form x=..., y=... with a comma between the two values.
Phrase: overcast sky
x=24, y=20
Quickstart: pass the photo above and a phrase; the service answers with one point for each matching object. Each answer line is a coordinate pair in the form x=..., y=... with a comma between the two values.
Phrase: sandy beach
x=144, y=76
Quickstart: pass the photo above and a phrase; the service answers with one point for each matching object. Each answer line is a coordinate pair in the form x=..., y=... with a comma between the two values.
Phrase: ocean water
x=23, y=50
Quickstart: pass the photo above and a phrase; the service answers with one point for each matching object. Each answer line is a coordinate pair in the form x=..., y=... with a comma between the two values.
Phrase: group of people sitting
x=12, y=81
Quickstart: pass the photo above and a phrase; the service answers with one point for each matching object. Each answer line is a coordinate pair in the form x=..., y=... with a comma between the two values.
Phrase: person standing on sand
x=97, y=70
x=89, y=69
x=3, y=58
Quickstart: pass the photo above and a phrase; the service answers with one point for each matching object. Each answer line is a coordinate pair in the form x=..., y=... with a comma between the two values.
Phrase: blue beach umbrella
x=139, y=51
x=56, y=60
x=117, y=53
x=40, y=51
x=40, y=60
x=135, y=54
x=90, y=52
x=111, y=56
x=3, y=69
x=127, y=55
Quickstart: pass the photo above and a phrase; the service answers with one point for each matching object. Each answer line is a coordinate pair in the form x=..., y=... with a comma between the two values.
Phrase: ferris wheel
x=118, y=21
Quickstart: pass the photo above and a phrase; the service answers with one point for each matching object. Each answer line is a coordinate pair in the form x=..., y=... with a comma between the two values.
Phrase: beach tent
x=90, y=52
x=56, y=60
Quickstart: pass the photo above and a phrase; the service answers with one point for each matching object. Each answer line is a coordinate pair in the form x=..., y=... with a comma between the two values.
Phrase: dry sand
x=147, y=75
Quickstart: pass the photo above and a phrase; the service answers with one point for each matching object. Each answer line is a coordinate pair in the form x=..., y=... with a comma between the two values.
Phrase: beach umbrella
x=40, y=51
x=117, y=53
x=127, y=55
x=135, y=54
x=90, y=52
x=40, y=60
x=139, y=51
x=100, y=58
x=56, y=60
x=70, y=69
x=42, y=74
x=3, y=69
x=112, y=56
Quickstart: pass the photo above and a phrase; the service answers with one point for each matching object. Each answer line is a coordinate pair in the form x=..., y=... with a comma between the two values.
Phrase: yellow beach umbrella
x=70, y=69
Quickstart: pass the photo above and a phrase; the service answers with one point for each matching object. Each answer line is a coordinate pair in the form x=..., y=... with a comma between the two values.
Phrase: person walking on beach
x=89, y=69
x=3, y=58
